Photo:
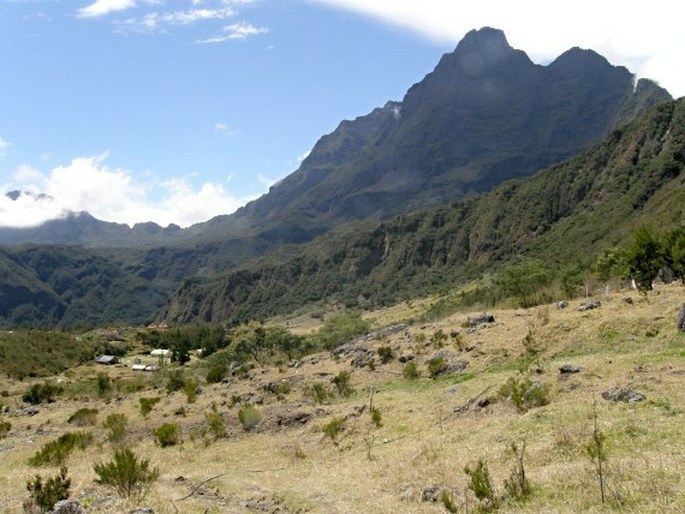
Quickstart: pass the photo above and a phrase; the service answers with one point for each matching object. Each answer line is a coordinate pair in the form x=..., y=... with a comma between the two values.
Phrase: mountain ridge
x=486, y=113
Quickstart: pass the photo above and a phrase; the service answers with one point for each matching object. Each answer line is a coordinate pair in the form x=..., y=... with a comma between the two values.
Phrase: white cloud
x=111, y=194
x=236, y=31
x=646, y=41
x=103, y=7
x=4, y=146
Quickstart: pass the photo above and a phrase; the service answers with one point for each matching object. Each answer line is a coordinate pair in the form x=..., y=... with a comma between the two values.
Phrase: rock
x=295, y=418
x=681, y=318
x=363, y=359
x=592, y=304
x=67, y=507
x=565, y=369
x=623, y=394
x=142, y=510
x=479, y=320
x=406, y=358
x=562, y=304
x=431, y=494
x=628, y=300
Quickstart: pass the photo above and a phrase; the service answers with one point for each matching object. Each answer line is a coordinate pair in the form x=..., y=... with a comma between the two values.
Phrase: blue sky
x=179, y=110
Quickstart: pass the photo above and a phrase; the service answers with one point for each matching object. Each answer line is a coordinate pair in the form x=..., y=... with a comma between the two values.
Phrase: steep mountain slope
x=70, y=286
x=484, y=115
x=563, y=215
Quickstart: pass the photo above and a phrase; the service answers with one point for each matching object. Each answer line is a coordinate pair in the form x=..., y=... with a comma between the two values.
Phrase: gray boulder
x=623, y=394
x=681, y=318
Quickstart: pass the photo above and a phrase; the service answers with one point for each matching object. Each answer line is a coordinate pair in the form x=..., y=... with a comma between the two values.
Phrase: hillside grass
x=424, y=439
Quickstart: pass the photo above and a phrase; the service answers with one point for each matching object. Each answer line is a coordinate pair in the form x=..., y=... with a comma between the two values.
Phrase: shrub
x=57, y=451
x=104, y=383
x=436, y=365
x=410, y=371
x=216, y=374
x=249, y=416
x=517, y=485
x=448, y=502
x=438, y=338
x=129, y=477
x=480, y=483
x=524, y=393
x=376, y=417
x=385, y=353
x=175, y=381
x=83, y=417
x=147, y=404
x=215, y=423
x=190, y=390
x=116, y=424
x=334, y=427
x=5, y=427
x=41, y=393
x=318, y=392
x=342, y=383
x=44, y=495
x=169, y=434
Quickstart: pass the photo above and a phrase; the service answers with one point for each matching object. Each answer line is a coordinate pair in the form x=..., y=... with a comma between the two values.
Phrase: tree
x=644, y=257
x=674, y=252
x=611, y=264
x=524, y=280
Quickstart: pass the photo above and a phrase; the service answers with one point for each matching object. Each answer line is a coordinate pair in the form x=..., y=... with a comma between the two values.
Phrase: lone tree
x=644, y=257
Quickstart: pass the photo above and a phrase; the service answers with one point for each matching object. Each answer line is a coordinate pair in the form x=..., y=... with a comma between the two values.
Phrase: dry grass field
x=429, y=428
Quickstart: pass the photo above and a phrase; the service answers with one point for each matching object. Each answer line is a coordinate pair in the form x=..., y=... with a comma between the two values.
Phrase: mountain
x=486, y=113
x=563, y=215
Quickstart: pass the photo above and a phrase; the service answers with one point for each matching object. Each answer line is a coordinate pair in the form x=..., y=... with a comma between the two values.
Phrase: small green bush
x=436, y=365
x=5, y=427
x=342, y=383
x=319, y=392
x=129, y=477
x=410, y=371
x=44, y=495
x=376, y=417
x=41, y=393
x=216, y=374
x=147, y=404
x=480, y=483
x=249, y=416
x=116, y=424
x=169, y=434
x=438, y=338
x=334, y=427
x=448, y=502
x=104, y=383
x=83, y=417
x=190, y=390
x=56, y=452
x=175, y=381
x=215, y=423
x=524, y=393
x=385, y=353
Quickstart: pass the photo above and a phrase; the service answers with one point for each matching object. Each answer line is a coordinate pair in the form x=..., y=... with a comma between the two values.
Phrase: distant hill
x=486, y=114
x=563, y=215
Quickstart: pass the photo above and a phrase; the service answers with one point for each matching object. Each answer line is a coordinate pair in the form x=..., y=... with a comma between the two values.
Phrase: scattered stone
x=565, y=369
x=406, y=358
x=681, y=318
x=142, y=510
x=592, y=304
x=363, y=359
x=623, y=394
x=628, y=300
x=484, y=402
x=295, y=418
x=67, y=507
x=256, y=400
x=454, y=334
x=384, y=332
x=452, y=364
x=479, y=320
x=314, y=360
x=431, y=494
x=562, y=304
x=294, y=364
